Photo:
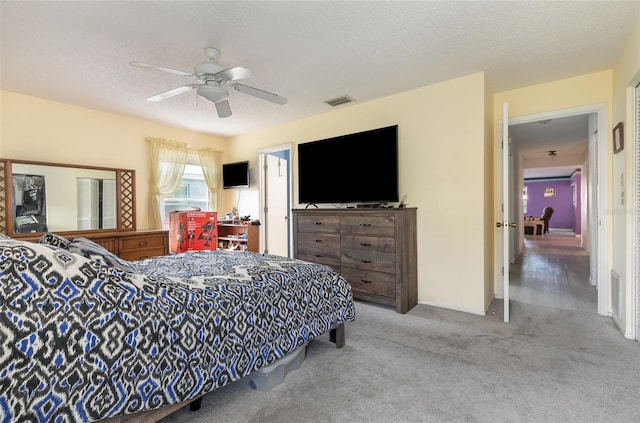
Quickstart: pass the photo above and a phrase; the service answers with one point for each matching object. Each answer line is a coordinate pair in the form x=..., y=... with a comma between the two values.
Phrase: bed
x=85, y=336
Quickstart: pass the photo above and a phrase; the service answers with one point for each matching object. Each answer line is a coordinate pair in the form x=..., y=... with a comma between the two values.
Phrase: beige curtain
x=211, y=168
x=167, y=161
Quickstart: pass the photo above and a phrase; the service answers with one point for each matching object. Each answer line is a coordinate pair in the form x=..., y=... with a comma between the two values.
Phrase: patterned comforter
x=81, y=340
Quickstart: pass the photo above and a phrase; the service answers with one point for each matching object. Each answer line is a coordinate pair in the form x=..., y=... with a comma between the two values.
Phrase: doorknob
x=513, y=224
x=498, y=224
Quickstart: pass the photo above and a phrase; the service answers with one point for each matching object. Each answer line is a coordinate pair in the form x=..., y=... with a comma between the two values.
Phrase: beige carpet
x=436, y=365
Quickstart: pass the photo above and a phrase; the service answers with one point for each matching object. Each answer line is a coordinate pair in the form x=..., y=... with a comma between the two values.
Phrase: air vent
x=339, y=100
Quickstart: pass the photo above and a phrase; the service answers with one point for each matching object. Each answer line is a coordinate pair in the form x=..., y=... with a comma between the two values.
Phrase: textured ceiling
x=307, y=51
x=567, y=136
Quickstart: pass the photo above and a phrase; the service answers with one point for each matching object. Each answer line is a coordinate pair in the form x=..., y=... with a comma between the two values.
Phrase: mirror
x=40, y=197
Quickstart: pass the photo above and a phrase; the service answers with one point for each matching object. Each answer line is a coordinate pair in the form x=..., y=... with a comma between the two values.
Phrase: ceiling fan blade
x=235, y=73
x=223, y=108
x=160, y=68
x=264, y=95
x=171, y=93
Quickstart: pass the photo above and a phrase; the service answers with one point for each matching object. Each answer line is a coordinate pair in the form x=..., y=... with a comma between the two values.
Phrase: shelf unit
x=238, y=236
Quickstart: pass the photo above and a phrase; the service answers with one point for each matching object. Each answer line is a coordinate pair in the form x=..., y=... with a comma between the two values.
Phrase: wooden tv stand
x=374, y=249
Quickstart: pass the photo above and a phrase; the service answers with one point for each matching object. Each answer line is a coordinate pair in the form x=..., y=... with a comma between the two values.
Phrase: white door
x=504, y=224
x=637, y=239
x=276, y=205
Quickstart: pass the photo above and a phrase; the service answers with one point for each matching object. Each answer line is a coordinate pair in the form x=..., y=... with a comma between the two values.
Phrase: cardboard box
x=193, y=230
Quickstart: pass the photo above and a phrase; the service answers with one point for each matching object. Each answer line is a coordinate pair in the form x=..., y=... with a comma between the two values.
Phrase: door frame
x=601, y=255
x=263, y=190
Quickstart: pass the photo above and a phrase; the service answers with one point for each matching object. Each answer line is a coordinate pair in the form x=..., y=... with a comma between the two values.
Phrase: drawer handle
x=366, y=261
x=317, y=223
x=318, y=255
x=143, y=257
x=365, y=225
x=365, y=244
x=142, y=243
x=317, y=240
x=365, y=281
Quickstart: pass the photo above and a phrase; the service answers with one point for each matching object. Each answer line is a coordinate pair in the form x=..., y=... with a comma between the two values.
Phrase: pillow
x=55, y=240
x=87, y=248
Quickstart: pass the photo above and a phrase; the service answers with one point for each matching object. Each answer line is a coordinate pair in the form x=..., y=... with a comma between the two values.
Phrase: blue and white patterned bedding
x=81, y=340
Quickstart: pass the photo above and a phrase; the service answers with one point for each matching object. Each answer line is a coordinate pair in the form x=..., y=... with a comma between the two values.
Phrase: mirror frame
x=125, y=198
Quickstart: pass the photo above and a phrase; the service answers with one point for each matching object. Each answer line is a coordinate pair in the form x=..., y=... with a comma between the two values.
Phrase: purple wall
x=565, y=216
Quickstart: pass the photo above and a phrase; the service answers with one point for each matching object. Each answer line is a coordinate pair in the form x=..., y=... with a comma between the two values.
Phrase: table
x=535, y=224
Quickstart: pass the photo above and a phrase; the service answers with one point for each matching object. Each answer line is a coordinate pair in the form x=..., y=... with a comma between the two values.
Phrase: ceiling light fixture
x=212, y=93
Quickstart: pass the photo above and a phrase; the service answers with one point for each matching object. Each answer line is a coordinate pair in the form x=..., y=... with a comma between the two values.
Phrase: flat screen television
x=353, y=168
x=235, y=175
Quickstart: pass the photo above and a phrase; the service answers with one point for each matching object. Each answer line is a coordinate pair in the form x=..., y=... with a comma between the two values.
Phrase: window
x=524, y=200
x=192, y=194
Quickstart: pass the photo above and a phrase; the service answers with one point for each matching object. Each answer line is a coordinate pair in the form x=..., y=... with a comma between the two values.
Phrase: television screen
x=235, y=175
x=354, y=168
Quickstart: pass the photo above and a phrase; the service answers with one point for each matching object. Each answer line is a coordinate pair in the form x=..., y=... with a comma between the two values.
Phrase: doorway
x=596, y=180
x=274, y=166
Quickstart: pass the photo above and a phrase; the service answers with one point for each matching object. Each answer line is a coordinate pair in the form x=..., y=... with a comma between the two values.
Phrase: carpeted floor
x=437, y=365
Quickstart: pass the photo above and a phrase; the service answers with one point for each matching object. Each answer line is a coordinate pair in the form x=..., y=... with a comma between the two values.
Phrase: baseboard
x=448, y=307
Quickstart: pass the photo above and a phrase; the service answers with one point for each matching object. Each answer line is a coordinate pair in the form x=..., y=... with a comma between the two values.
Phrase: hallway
x=553, y=271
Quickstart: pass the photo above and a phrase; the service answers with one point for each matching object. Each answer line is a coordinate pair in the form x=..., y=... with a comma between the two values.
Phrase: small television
x=235, y=175
x=354, y=168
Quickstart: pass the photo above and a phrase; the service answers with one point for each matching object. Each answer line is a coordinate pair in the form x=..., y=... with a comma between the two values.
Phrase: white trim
x=634, y=200
x=260, y=154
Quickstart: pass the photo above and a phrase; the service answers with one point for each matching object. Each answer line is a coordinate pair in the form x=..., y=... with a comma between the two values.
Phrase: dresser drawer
x=142, y=253
x=368, y=243
x=373, y=225
x=318, y=240
x=368, y=261
x=330, y=257
x=319, y=223
x=377, y=283
x=136, y=242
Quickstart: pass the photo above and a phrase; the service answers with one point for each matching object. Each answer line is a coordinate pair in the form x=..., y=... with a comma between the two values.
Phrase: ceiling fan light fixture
x=213, y=93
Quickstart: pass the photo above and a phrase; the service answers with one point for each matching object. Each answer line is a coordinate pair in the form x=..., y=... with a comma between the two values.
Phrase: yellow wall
x=583, y=90
x=489, y=198
x=626, y=75
x=42, y=130
x=442, y=142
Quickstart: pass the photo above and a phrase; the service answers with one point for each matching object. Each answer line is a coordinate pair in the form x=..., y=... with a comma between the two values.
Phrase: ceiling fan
x=213, y=81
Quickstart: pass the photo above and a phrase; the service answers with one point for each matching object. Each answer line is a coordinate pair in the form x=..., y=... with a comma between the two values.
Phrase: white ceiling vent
x=339, y=100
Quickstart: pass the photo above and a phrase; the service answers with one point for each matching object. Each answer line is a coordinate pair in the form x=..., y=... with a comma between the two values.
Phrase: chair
x=546, y=216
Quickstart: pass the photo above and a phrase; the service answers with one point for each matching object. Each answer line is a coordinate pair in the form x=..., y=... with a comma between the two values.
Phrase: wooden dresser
x=374, y=249
x=141, y=244
x=129, y=245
